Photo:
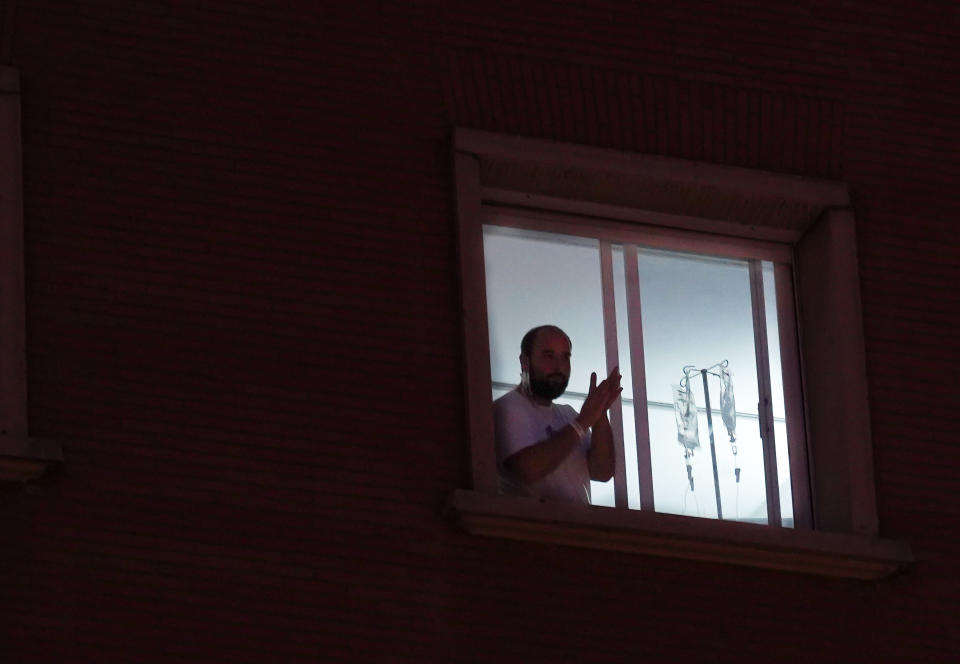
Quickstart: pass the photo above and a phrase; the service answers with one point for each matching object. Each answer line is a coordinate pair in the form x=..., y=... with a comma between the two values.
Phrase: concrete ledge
x=669, y=535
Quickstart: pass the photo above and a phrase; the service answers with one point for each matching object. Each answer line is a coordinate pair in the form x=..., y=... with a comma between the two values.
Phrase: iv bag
x=728, y=406
x=685, y=409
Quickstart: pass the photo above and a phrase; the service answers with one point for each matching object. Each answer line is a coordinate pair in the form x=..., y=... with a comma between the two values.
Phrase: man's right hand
x=600, y=398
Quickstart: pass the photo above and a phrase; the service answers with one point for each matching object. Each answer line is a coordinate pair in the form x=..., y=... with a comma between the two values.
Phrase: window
x=685, y=310
x=660, y=265
x=21, y=458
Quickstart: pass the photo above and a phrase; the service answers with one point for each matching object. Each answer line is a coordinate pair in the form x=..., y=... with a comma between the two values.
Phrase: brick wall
x=243, y=321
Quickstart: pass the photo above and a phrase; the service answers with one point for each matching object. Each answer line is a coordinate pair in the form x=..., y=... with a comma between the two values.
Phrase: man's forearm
x=539, y=460
x=602, y=456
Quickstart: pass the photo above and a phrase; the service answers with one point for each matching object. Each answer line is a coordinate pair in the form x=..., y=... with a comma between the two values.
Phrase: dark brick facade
x=243, y=327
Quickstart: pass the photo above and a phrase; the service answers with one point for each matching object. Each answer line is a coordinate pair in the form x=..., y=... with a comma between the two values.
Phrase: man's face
x=549, y=364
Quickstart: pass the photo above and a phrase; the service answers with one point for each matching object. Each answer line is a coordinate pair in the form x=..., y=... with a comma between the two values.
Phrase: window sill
x=805, y=551
x=26, y=459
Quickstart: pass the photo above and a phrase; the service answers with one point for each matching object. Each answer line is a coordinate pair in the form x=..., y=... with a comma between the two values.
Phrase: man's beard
x=548, y=387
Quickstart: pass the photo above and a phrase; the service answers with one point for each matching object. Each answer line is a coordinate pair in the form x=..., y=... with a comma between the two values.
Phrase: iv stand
x=687, y=370
x=713, y=449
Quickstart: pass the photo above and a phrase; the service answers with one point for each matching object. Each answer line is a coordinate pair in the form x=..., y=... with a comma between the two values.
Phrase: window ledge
x=26, y=459
x=805, y=551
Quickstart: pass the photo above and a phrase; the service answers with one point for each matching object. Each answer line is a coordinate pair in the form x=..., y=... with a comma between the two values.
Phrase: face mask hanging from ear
x=525, y=383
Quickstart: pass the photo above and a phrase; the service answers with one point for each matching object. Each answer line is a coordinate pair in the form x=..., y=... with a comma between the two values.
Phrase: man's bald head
x=545, y=361
x=526, y=344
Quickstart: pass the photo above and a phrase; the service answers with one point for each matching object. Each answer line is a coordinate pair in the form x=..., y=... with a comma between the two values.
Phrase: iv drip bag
x=728, y=405
x=685, y=409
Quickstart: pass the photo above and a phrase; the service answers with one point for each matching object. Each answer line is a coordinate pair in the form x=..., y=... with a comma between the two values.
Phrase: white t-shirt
x=521, y=423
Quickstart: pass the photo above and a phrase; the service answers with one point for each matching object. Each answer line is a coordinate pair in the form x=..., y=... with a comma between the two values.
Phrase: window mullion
x=613, y=360
x=639, y=379
x=765, y=407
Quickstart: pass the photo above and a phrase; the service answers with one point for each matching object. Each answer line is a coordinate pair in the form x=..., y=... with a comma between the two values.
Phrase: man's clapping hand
x=600, y=398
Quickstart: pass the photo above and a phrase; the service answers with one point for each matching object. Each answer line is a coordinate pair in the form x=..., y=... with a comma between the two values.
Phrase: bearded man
x=547, y=450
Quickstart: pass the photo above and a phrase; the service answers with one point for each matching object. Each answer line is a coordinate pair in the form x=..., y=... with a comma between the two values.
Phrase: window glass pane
x=776, y=395
x=696, y=310
x=543, y=278
x=783, y=473
x=536, y=278
x=499, y=391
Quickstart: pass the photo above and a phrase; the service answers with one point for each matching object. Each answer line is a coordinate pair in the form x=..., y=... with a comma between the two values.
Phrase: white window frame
x=497, y=182
x=631, y=236
x=21, y=458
